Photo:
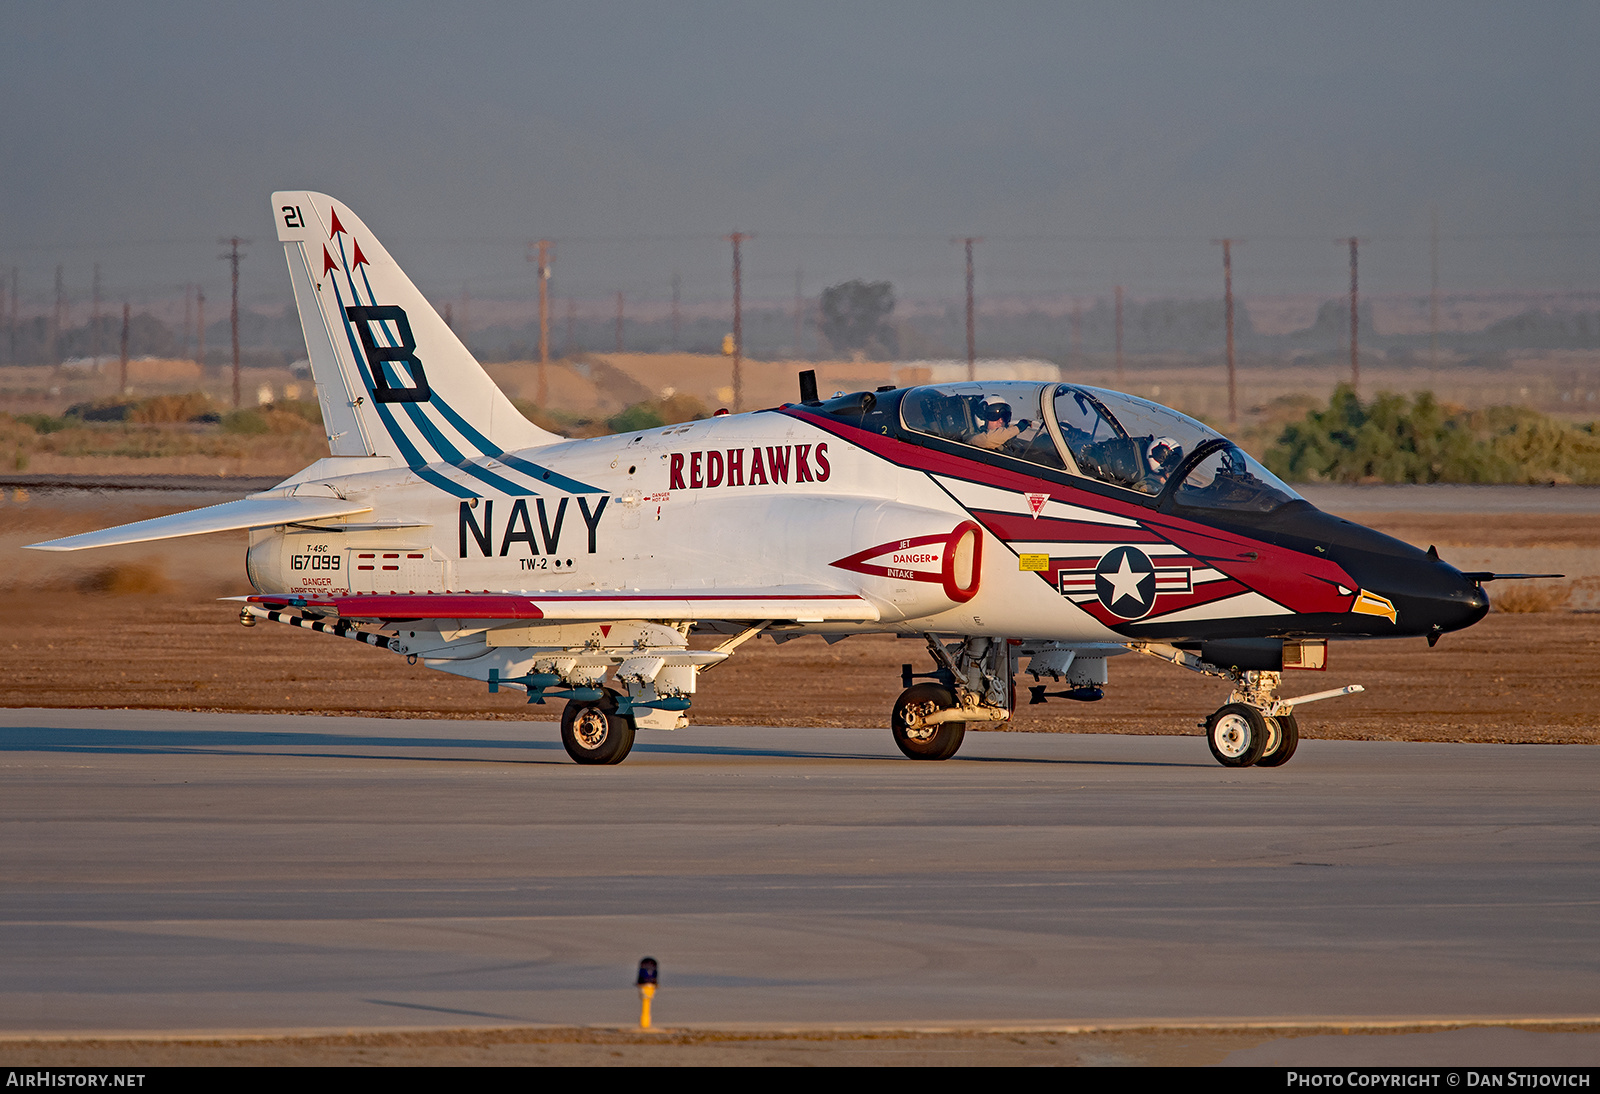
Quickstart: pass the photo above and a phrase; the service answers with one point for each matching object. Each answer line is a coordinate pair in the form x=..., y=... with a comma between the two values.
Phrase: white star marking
x=1125, y=582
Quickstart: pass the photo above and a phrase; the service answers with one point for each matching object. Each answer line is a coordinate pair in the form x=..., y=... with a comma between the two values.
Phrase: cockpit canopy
x=1116, y=439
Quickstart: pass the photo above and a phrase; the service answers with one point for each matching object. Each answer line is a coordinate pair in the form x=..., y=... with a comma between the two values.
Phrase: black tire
x=1237, y=733
x=1284, y=742
x=594, y=733
x=938, y=742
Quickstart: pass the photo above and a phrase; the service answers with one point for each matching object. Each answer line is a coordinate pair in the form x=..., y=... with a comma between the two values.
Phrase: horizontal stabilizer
x=801, y=603
x=228, y=517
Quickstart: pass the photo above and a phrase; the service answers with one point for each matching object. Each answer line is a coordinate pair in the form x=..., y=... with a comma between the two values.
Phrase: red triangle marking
x=361, y=259
x=337, y=227
x=328, y=264
x=605, y=630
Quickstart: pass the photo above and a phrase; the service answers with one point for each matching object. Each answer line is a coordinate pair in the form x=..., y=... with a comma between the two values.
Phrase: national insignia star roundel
x=1125, y=581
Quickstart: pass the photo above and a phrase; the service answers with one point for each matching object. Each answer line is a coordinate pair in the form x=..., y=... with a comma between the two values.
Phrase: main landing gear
x=1254, y=728
x=973, y=682
x=594, y=733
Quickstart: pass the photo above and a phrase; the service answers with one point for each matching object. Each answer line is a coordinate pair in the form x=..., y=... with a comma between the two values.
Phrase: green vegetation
x=156, y=427
x=1395, y=439
x=856, y=317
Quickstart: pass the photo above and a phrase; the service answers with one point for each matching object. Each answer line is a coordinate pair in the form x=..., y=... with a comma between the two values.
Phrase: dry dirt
x=1161, y=1047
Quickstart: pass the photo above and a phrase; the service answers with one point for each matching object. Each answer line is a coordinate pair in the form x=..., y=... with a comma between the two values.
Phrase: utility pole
x=11, y=327
x=200, y=327
x=972, y=334
x=1433, y=303
x=619, y=320
x=58, y=321
x=1118, y=295
x=1077, y=333
x=188, y=316
x=232, y=257
x=1227, y=309
x=738, y=238
x=122, y=380
x=544, y=316
x=94, y=319
x=1355, y=323
x=799, y=314
x=676, y=318
x=572, y=327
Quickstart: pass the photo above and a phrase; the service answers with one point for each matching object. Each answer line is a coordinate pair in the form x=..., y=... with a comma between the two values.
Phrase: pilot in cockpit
x=997, y=427
x=1162, y=456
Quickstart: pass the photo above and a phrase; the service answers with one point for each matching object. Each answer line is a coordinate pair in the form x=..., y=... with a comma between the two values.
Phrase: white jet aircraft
x=998, y=521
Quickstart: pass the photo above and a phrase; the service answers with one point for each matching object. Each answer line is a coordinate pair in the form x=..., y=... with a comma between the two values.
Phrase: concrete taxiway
x=179, y=871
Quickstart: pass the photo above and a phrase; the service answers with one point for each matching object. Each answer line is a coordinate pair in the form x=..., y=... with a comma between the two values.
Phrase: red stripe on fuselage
x=1014, y=526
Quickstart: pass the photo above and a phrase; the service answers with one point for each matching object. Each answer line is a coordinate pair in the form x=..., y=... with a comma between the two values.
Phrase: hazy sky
x=1087, y=143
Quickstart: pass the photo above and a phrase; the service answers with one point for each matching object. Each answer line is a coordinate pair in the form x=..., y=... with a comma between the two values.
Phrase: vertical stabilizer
x=393, y=379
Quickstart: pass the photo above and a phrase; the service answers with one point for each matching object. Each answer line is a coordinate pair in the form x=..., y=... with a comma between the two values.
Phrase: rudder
x=392, y=377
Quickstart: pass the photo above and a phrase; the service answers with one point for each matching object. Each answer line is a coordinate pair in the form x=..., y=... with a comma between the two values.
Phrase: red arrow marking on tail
x=360, y=258
x=337, y=227
x=328, y=264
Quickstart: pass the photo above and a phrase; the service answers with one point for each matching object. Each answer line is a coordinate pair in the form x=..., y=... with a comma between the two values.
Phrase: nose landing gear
x=1237, y=734
x=1254, y=728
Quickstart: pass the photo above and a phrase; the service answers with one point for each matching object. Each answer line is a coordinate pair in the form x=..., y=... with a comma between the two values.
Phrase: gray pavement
x=175, y=871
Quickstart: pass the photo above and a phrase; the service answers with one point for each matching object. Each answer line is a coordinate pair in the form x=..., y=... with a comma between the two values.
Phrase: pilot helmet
x=1163, y=453
x=998, y=411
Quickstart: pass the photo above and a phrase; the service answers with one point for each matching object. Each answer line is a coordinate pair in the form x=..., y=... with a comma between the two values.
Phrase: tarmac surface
x=170, y=871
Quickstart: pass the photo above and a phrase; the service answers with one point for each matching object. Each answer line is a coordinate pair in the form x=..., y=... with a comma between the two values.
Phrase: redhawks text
x=766, y=466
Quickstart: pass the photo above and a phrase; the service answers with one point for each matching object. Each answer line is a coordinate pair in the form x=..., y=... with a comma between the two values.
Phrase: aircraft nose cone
x=1440, y=600
x=1468, y=604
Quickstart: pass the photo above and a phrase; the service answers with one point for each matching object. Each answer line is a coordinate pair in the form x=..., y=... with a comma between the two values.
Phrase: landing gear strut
x=974, y=683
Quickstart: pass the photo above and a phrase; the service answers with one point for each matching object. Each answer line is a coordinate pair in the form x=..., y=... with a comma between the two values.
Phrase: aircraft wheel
x=1237, y=735
x=593, y=733
x=938, y=742
x=1282, y=744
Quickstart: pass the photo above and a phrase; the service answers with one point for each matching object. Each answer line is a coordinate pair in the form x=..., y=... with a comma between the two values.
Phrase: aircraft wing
x=228, y=517
x=802, y=603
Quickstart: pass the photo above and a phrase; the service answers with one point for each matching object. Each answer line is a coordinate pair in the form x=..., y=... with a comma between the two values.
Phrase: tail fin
x=391, y=376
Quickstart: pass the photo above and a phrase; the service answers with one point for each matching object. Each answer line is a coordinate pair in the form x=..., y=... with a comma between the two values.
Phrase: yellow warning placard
x=1033, y=562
